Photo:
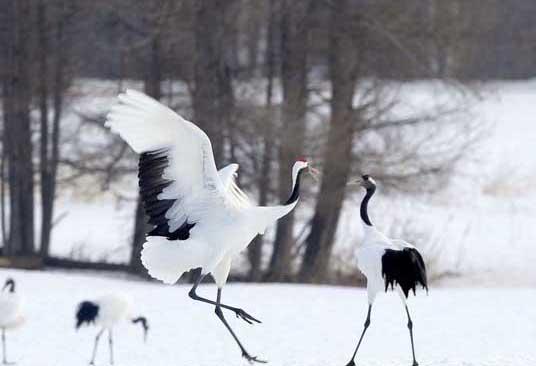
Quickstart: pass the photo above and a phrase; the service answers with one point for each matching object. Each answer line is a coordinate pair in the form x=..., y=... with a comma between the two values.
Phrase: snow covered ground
x=302, y=325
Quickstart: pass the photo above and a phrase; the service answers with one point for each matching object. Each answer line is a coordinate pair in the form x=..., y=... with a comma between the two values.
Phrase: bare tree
x=212, y=97
x=16, y=110
x=343, y=64
x=54, y=22
x=294, y=68
x=267, y=132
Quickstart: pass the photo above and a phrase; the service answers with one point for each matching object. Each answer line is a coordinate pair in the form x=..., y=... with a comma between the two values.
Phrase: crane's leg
x=94, y=354
x=4, y=354
x=4, y=361
x=366, y=325
x=410, y=327
x=239, y=312
x=219, y=313
x=111, y=345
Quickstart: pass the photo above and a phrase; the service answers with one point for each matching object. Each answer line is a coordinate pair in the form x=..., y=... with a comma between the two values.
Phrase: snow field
x=302, y=325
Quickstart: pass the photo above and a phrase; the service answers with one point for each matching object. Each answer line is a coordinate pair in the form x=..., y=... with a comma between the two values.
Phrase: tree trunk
x=253, y=37
x=44, y=164
x=294, y=37
x=3, y=198
x=337, y=157
x=255, y=248
x=213, y=92
x=49, y=152
x=16, y=104
x=152, y=87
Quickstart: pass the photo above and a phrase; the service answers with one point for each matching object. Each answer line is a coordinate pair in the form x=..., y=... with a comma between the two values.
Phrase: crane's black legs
x=111, y=345
x=4, y=356
x=4, y=361
x=94, y=354
x=219, y=313
x=367, y=323
x=239, y=312
x=410, y=327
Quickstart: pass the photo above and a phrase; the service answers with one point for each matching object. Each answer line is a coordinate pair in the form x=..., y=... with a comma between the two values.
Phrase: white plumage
x=11, y=316
x=201, y=218
x=113, y=308
x=10, y=310
x=106, y=312
x=387, y=264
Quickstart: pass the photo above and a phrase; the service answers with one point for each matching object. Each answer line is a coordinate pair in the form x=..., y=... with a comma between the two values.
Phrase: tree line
x=260, y=76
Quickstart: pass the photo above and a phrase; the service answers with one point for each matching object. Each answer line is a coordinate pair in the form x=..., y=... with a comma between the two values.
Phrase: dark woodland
x=267, y=80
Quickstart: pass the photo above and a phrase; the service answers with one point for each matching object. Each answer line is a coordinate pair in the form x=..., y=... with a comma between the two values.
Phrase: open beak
x=356, y=182
x=314, y=173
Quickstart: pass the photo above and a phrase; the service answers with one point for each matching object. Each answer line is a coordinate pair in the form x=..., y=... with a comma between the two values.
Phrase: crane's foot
x=415, y=363
x=351, y=363
x=245, y=316
x=252, y=359
x=8, y=363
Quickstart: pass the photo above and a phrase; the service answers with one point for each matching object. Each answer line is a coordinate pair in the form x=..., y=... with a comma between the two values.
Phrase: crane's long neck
x=143, y=321
x=10, y=285
x=296, y=176
x=364, y=206
x=268, y=215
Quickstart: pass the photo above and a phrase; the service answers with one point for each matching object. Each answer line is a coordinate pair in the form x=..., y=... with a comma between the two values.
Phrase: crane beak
x=314, y=173
x=356, y=182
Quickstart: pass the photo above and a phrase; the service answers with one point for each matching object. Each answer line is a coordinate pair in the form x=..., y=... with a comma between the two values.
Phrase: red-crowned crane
x=201, y=219
x=387, y=264
x=106, y=312
x=10, y=313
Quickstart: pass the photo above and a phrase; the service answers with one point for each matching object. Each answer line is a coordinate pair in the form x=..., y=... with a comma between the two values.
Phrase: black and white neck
x=10, y=285
x=297, y=170
x=370, y=186
x=144, y=324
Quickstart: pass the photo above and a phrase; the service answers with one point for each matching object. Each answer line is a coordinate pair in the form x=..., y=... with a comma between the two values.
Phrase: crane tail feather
x=404, y=268
x=166, y=260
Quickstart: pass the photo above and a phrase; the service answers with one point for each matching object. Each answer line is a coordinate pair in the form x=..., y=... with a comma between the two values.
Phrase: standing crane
x=201, y=218
x=106, y=312
x=10, y=313
x=387, y=264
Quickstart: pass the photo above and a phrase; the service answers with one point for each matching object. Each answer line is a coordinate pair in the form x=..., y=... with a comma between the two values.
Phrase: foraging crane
x=387, y=263
x=106, y=312
x=10, y=313
x=201, y=219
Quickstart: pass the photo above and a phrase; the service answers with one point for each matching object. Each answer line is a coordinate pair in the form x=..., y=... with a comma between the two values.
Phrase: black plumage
x=151, y=167
x=144, y=324
x=87, y=313
x=296, y=191
x=405, y=268
x=142, y=320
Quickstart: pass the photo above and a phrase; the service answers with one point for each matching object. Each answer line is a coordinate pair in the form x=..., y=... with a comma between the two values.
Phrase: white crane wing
x=234, y=194
x=177, y=171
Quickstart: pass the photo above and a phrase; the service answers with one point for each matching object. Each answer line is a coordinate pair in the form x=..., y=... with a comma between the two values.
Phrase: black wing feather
x=405, y=268
x=86, y=313
x=152, y=182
